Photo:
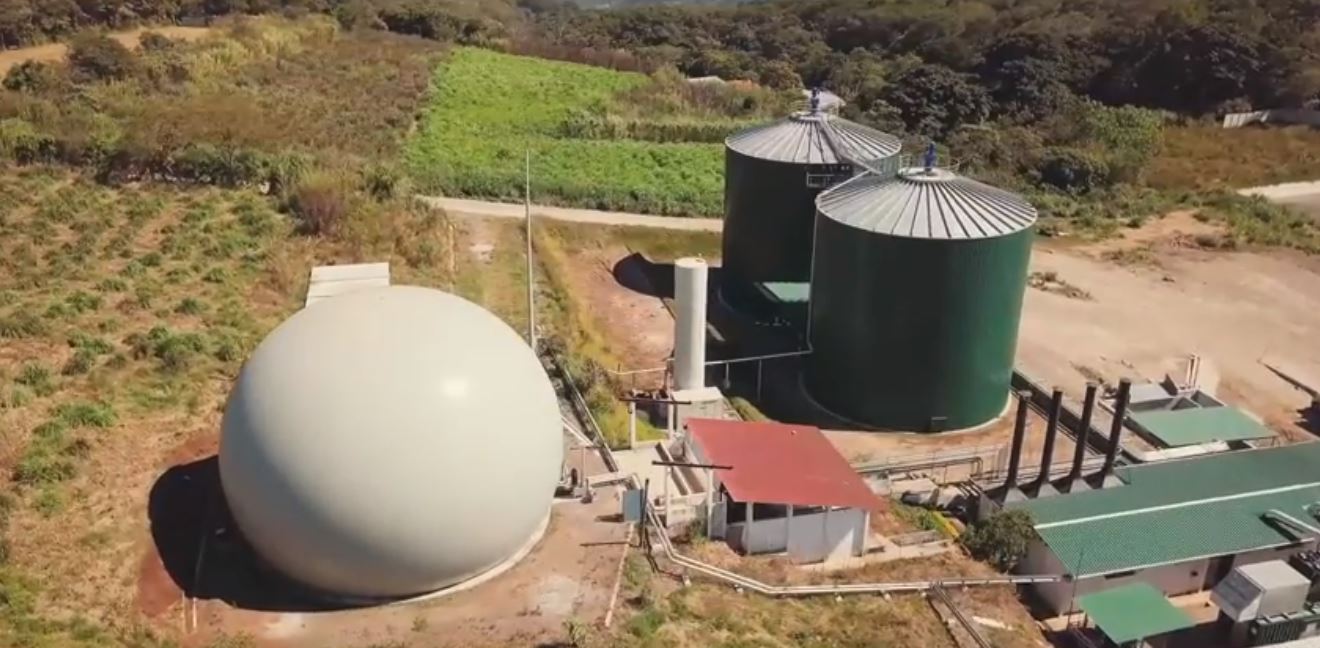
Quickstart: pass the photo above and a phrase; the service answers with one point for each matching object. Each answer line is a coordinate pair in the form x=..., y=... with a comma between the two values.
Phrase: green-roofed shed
x=1194, y=426
x=1179, y=525
x=1131, y=613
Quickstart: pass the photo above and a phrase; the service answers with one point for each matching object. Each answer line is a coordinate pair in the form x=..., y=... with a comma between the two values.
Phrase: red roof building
x=778, y=463
x=779, y=488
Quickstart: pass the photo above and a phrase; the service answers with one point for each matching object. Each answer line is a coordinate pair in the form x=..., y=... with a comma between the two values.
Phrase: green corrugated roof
x=1180, y=510
x=1133, y=612
x=1200, y=425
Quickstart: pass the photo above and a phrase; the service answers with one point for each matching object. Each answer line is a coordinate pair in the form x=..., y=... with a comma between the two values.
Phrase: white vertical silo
x=690, y=276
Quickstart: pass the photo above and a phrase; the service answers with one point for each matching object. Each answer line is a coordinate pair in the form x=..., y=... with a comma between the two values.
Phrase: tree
x=780, y=75
x=1073, y=170
x=155, y=42
x=31, y=76
x=1002, y=539
x=934, y=100
x=98, y=57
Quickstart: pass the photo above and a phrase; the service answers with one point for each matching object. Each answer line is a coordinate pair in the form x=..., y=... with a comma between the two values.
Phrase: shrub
x=381, y=181
x=175, y=351
x=1073, y=170
x=216, y=275
x=42, y=467
x=36, y=377
x=95, y=345
x=190, y=306
x=49, y=502
x=86, y=414
x=31, y=76
x=98, y=57
x=112, y=284
x=80, y=363
x=18, y=396
x=22, y=324
x=319, y=203
x=82, y=302
x=1002, y=539
x=21, y=142
x=155, y=42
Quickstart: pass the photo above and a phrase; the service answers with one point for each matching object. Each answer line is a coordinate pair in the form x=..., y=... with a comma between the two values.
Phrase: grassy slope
x=164, y=292
x=488, y=108
x=1206, y=156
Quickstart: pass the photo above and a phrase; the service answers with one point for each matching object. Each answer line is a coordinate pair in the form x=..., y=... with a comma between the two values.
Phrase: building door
x=1217, y=570
x=718, y=520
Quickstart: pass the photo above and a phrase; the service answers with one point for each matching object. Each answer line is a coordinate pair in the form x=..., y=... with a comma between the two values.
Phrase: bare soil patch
x=631, y=318
x=130, y=39
x=1232, y=308
x=569, y=575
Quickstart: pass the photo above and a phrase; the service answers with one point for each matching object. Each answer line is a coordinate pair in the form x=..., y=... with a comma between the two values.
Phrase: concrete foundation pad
x=489, y=574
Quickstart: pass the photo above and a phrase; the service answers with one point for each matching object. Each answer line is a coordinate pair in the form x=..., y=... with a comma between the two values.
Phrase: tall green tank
x=916, y=295
x=772, y=176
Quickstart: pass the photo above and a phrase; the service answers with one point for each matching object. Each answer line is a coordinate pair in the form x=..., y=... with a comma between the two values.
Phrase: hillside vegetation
x=597, y=137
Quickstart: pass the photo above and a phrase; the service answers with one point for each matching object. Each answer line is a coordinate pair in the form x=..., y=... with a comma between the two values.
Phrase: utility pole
x=531, y=281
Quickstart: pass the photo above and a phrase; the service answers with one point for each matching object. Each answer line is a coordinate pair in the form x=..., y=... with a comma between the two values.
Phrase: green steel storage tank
x=916, y=294
x=772, y=176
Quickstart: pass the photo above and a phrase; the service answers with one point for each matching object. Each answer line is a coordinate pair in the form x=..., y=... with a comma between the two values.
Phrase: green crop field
x=488, y=108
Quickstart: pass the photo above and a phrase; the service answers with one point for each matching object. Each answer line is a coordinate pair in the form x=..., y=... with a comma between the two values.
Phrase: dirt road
x=512, y=210
x=56, y=51
x=1302, y=195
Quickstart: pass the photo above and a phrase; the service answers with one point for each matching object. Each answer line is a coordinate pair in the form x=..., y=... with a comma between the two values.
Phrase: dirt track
x=591, y=216
x=1232, y=308
x=57, y=51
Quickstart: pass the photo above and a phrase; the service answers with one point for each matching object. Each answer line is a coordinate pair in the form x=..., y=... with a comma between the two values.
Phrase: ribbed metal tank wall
x=916, y=293
x=772, y=176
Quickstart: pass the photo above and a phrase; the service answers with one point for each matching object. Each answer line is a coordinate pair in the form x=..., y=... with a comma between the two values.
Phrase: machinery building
x=772, y=176
x=1180, y=526
x=390, y=442
x=916, y=295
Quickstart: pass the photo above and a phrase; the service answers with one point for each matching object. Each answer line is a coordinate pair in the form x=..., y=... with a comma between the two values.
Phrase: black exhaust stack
x=1051, y=430
x=1019, y=432
x=1083, y=432
x=1116, y=432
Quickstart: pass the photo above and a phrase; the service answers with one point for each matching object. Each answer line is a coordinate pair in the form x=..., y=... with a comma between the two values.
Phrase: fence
x=1282, y=116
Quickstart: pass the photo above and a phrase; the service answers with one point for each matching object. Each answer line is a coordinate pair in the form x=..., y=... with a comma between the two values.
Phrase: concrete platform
x=331, y=281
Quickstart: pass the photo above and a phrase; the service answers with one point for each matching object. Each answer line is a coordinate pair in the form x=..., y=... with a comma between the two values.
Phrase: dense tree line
x=934, y=64
x=937, y=64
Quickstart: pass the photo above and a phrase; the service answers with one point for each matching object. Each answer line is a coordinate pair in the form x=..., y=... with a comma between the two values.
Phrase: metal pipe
x=1083, y=431
x=1019, y=431
x=714, y=363
x=1051, y=431
x=1116, y=432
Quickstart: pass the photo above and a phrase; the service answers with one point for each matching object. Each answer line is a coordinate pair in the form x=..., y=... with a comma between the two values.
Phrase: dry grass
x=161, y=293
x=657, y=612
x=1205, y=156
x=56, y=51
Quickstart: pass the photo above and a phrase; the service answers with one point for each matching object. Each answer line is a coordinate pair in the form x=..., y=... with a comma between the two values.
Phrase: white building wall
x=814, y=537
x=767, y=536
x=1176, y=579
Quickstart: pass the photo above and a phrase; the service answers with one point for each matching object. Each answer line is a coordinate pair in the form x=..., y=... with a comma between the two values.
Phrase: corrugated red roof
x=776, y=463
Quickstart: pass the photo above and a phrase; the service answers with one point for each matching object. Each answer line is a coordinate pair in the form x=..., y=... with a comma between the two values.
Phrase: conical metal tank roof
x=926, y=203
x=814, y=137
